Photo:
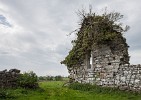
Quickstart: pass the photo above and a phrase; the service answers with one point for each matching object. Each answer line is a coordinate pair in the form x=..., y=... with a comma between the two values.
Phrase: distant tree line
x=52, y=78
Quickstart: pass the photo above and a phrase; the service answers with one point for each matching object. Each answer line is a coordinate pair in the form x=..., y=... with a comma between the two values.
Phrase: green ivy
x=95, y=30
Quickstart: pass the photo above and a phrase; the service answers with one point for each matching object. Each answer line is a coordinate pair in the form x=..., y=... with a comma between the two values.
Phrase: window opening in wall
x=89, y=67
x=91, y=60
x=109, y=63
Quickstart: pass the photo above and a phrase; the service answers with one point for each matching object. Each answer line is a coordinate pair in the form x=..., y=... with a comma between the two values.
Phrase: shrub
x=49, y=78
x=58, y=78
x=4, y=94
x=46, y=78
x=41, y=78
x=28, y=80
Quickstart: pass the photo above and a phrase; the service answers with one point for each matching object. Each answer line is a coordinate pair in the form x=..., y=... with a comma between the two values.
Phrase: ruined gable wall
x=109, y=70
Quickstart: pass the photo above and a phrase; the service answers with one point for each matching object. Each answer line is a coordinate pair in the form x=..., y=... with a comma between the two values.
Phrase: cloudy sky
x=33, y=33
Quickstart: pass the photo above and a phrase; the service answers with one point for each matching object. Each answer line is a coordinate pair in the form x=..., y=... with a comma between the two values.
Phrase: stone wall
x=8, y=79
x=126, y=77
x=108, y=70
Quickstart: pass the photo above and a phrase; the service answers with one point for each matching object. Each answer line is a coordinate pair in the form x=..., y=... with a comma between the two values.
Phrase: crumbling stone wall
x=108, y=69
x=8, y=79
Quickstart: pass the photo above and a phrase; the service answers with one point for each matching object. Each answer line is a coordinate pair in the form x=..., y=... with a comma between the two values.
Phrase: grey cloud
x=42, y=41
x=4, y=52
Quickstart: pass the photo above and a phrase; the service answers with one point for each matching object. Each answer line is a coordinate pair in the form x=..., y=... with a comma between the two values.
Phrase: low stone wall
x=8, y=79
x=125, y=77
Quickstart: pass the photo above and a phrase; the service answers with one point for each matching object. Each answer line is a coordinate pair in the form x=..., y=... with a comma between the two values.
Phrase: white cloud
x=38, y=38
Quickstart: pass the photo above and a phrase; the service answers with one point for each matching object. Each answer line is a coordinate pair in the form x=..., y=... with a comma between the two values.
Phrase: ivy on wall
x=96, y=30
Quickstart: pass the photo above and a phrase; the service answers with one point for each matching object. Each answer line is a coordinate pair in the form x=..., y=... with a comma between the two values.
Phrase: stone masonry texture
x=8, y=79
x=108, y=70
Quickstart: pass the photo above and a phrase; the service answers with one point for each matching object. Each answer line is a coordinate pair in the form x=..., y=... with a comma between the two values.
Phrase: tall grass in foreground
x=104, y=90
x=54, y=90
x=93, y=88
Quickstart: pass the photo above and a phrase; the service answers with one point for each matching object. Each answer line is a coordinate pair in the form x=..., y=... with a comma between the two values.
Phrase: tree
x=58, y=78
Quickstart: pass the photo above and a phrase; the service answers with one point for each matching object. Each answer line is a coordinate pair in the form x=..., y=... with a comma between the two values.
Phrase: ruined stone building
x=108, y=69
x=8, y=79
x=106, y=60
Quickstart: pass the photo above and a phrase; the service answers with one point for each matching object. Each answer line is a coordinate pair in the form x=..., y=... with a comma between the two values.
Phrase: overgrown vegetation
x=28, y=80
x=5, y=94
x=96, y=30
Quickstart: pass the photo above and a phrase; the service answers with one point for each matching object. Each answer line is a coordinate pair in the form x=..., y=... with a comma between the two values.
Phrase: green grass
x=53, y=90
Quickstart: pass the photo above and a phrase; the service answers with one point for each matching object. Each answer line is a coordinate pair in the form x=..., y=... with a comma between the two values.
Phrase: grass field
x=53, y=90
